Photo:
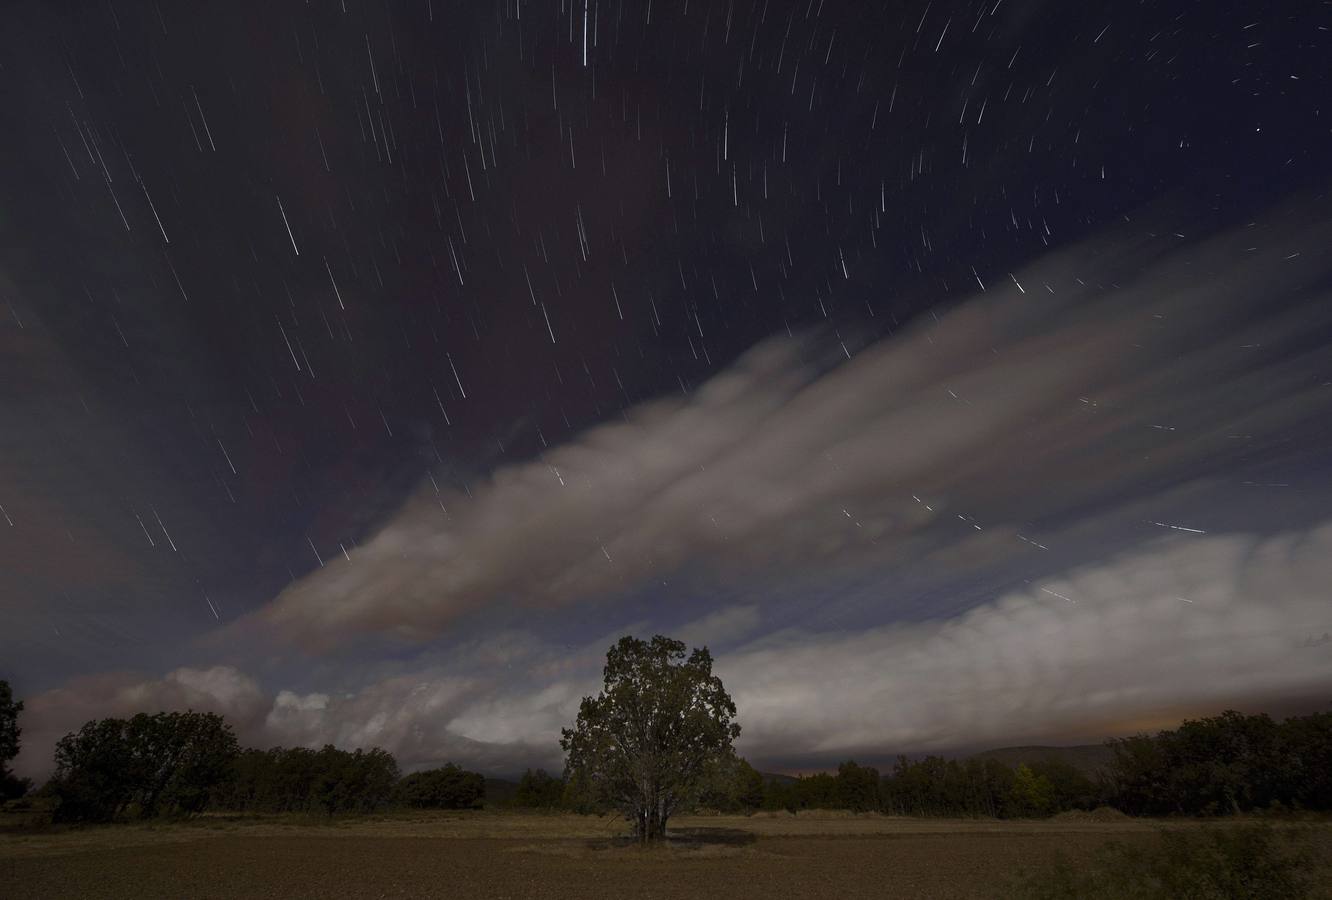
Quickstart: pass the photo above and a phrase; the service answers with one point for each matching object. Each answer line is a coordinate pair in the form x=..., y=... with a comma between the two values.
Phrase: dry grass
x=494, y=855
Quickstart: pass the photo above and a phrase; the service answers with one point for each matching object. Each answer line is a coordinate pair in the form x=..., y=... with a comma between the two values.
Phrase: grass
x=513, y=854
x=1252, y=860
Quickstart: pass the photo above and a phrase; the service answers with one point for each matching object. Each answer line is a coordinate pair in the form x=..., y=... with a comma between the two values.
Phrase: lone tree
x=661, y=724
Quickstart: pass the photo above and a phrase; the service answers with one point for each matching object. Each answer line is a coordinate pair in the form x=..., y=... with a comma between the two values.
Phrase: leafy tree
x=1307, y=750
x=647, y=741
x=298, y=779
x=539, y=790
x=817, y=791
x=10, y=786
x=747, y=785
x=1032, y=795
x=147, y=765
x=857, y=787
x=1070, y=788
x=93, y=781
x=357, y=782
x=732, y=786
x=9, y=730
x=448, y=787
x=1220, y=765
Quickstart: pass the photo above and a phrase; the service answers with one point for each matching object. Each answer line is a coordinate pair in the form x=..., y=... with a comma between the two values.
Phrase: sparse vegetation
x=1254, y=861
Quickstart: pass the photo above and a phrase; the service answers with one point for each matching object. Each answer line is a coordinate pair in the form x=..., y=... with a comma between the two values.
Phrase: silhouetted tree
x=1032, y=795
x=937, y=787
x=1070, y=788
x=857, y=787
x=448, y=787
x=1224, y=764
x=10, y=785
x=647, y=741
x=732, y=786
x=298, y=779
x=1307, y=751
x=539, y=790
x=148, y=765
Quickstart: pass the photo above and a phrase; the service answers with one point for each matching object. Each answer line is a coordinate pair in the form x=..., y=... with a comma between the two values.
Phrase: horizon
x=958, y=376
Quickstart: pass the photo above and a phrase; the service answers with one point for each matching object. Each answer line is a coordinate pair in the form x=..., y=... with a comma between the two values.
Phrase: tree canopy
x=9, y=742
x=448, y=787
x=646, y=743
x=163, y=763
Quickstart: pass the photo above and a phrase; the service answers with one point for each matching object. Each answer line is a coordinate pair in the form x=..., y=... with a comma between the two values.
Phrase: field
x=499, y=855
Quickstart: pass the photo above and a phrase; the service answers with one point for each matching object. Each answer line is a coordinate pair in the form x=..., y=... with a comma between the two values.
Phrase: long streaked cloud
x=1187, y=625
x=1108, y=376
x=1100, y=372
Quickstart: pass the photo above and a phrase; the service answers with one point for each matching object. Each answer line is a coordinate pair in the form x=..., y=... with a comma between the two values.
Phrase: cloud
x=1188, y=625
x=1191, y=625
x=724, y=626
x=1089, y=388
x=1124, y=365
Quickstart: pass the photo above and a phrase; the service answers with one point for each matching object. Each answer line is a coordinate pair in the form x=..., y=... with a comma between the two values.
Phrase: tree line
x=182, y=763
x=1227, y=764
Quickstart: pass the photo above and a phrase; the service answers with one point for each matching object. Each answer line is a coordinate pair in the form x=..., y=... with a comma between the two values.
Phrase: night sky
x=960, y=373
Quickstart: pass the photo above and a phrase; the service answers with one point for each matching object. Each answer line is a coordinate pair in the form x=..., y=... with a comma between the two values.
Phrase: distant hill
x=1087, y=758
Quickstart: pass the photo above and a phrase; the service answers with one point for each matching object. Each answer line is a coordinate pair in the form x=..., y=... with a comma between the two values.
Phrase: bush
x=448, y=787
x=299, y=779
x=1225, y=764
x=12, y=787
x=1251, y=861
x=539, y=790
x=164, y=764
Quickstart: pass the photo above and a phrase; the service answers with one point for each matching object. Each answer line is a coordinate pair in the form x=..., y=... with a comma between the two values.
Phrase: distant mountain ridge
x=1090, y=759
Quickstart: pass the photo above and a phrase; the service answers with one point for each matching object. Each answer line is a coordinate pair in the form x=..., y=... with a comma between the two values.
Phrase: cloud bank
x=1188, y=625
x=1103, y=373
x=1100, y=380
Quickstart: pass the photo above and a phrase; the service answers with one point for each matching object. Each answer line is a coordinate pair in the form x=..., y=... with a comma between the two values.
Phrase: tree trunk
x=650, y=821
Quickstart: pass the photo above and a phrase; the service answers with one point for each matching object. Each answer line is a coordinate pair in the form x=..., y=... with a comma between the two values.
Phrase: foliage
x=1307, y=754
x=539, y=790
x=731, y=786
x=856, y=788
x=1070, y=788
x=11, y=786
x=1252, y=861
x=448, y=787
x=9, y=730
x=1229, y=763
x=145, y=766
x=647, y=742
x=299, y=779
x=1031, y=796
x=938, y=787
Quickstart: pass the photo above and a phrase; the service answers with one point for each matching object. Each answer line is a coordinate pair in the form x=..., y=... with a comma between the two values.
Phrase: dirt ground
x=489, y=855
